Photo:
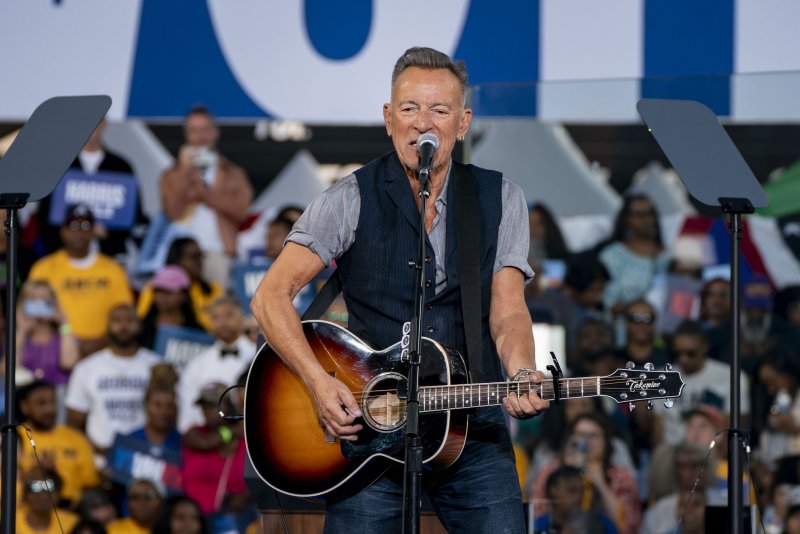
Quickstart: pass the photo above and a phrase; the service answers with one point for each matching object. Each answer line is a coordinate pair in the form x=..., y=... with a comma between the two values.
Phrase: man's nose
x=422, y=122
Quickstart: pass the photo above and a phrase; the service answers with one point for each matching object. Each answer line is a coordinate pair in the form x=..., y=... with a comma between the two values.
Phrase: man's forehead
x=418, y=78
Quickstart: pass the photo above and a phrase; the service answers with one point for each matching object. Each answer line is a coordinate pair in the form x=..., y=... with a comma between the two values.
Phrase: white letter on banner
x=267, y=47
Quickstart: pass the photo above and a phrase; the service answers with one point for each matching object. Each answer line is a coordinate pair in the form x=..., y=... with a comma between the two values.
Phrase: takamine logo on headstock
x=641, y=385
x=632, y=384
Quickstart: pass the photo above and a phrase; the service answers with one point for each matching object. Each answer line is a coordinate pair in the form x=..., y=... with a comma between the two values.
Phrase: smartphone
x=580, y=444
x=576, y=452
x=38, y=308
x=204, y=157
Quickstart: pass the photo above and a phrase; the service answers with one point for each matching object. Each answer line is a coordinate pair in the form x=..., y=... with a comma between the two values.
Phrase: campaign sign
x=682, y=302
x=131, y=458
x=112, y=197
x=160, y=235
x=179, y=345
x=246, y=278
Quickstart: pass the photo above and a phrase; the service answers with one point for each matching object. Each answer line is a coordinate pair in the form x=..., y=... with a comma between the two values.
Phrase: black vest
x=378, y=284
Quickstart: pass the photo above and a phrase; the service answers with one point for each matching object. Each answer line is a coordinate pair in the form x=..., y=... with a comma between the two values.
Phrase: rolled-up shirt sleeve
x=328, y=225
x=513, y=236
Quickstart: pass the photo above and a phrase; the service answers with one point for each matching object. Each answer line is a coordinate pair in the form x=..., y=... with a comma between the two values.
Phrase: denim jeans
x=479, y=493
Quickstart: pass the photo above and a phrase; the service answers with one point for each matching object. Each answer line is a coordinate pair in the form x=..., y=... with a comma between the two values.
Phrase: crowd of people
x=126, y=442
x=129, y=443
x=655, y=471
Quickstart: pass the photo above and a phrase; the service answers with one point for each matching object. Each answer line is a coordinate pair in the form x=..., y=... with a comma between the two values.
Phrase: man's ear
x=387, y=118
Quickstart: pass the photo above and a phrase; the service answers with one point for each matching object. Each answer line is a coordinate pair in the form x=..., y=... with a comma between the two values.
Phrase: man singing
x=368, y=222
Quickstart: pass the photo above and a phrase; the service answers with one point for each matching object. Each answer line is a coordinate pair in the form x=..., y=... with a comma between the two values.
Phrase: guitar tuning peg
x=630, y=365
x=668, y=367
x=649, y=366
x=631, y=407
x=669, y=403
x=649, y=405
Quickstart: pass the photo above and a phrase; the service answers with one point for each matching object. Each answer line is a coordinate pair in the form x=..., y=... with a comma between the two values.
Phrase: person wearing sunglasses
x=88, y=284
x=707, y=380
x=640, y=336
x=36, y=513
x=635, y=253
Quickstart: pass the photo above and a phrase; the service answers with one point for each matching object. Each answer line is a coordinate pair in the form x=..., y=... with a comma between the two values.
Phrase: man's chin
x=124, y=343
x=47, y=424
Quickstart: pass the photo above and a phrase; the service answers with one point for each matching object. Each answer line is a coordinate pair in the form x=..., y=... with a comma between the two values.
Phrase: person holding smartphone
x=46, y=345
x=610, y=487
x=206, y=195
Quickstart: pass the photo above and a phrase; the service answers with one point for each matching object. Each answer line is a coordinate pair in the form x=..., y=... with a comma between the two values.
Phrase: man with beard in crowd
x=59, y=446
x=105, y=394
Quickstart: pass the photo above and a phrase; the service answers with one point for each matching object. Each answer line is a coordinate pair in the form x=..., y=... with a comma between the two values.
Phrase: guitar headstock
x=632, y=384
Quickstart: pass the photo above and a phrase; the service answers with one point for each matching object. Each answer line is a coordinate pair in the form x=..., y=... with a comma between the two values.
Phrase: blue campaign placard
x=131, y=458
x=179, y=345
x=247, y=276
x=112, y=197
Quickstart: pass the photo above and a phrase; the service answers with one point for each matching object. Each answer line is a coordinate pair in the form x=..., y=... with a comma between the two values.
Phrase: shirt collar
x=443, y=193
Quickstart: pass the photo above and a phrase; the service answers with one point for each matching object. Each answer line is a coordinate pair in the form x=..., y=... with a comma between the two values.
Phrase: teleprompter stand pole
x=735, y=207
x=29, y=171
x=714, y=172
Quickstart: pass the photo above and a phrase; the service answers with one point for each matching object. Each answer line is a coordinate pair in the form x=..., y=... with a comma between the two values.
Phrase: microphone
x=427, y=144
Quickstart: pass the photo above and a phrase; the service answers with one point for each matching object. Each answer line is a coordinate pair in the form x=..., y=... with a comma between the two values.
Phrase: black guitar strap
x=468, y=245
x=327, y=294
x=468, y=241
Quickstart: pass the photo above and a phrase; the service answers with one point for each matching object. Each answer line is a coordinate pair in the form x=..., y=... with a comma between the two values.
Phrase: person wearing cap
x=171, y=304
x=213, y=455
x=762, y=330
x=185, y=252
x=206, y=194
x=88, y=284
x=95, y=158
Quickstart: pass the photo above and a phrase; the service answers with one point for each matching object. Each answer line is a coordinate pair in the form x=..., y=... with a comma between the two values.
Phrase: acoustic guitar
x=295, y=455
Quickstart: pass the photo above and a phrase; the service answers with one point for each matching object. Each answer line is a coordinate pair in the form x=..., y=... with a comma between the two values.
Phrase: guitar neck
x=441, y=398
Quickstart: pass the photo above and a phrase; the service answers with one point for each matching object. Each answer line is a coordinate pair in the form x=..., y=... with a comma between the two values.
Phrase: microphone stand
x=412, y=480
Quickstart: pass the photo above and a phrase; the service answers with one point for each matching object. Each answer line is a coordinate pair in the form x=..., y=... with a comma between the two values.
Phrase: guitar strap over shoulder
x=327, y=294
x=468, y=245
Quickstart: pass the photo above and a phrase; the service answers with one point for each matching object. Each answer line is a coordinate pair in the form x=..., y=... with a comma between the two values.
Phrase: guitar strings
x=546, y=388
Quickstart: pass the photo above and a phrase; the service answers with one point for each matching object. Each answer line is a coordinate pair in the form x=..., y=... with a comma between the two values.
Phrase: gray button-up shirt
x=328, y=227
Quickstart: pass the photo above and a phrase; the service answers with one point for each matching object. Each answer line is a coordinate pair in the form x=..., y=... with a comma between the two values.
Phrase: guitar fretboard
x=439, y=398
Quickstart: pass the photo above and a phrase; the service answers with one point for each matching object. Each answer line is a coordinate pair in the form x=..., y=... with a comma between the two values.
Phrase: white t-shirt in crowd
x=109, y=389
x=202, y=223
x=206, y=368
x=713, y=378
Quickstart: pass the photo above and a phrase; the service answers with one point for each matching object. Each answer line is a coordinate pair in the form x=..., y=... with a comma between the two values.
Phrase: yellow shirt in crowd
x=200, y=301
x=68, y=521
x=126, y=526
x=72, y=456
x=86, y=295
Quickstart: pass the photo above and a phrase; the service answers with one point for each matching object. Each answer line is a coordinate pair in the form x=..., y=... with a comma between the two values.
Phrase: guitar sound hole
x=381, y=405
